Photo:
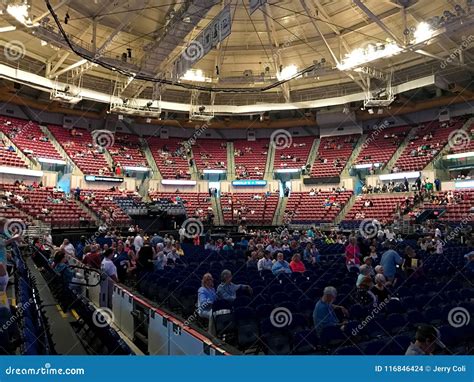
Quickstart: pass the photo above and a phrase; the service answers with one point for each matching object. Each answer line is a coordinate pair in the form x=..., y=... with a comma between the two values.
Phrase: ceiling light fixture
x=372, y=52
x=287, y=72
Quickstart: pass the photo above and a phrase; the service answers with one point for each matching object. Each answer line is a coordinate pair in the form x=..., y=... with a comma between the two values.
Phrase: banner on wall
x=109, y=179
x=255, y=4
x=215, y=32
x=249, y=183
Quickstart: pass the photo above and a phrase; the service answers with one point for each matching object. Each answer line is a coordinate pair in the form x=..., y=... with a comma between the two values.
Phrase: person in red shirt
x=352, y=254
x=296, y=264
x=92, y=259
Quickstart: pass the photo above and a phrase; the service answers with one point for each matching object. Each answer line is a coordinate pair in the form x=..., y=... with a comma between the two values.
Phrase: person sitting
x=61, y=266
x=265, y=263
x=206, y=296
x=281, y=265
x=311, y=254
x=227, y=290
x=379, y=289
x=324, y=314
x=427, y=338
x=296, y=264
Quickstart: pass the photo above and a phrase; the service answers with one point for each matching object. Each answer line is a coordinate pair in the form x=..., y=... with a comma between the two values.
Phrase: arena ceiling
x=280, y=37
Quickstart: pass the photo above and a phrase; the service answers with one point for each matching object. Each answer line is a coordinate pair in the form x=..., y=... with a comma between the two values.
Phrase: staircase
x=143, y=189
x=94, y=217
x=391, y=163
x=268, y=175
x=32, y=164
x=342, y=214
x=216, y=208
x=355, y=153
x=280, y=211
x=314, y=152
x=108, y=158
x=230, y=161
x=151, y=161
x=59, y=148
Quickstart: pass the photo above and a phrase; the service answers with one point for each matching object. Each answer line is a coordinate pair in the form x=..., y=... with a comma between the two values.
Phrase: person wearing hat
x=368, y=261
x=426, y=339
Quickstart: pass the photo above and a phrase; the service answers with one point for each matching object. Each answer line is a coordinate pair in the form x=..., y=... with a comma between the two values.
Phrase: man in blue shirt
x=227, y=290
x=389, y=261
x=281, y=266
x=324, y=314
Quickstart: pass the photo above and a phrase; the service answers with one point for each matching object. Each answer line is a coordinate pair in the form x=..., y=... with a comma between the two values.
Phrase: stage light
x=422, y=33
x=359, y=57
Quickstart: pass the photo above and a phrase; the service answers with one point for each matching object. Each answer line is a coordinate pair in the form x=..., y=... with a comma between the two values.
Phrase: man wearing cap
x=426, y=339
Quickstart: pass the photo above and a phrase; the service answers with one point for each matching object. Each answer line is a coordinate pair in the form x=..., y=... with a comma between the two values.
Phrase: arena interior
x=227, y=177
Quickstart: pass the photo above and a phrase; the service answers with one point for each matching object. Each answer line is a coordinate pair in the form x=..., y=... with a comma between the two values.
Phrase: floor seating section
x=29, y=138
x=250, y=208
x=102, y=203
x=246, y=323
x=81, y=149
x=171, y=165
x=381, y=144
x=10, y=158
x=332, y=149
x=197, y=205
x=304, y=208
x=383, y=208
x=440, y=134
x=250, y=158
x=298, y=153
x=127, y=151
x=455, y=212
x=62, y=212
x=210, y=154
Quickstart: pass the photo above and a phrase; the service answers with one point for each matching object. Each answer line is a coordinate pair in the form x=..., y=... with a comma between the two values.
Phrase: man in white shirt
x=68, y=248
x=138, y=242
x=265, y=262
x=109, y=269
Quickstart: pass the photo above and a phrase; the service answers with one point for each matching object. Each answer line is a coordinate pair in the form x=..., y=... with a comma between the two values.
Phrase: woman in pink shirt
x=296, y=264
x=352, y=254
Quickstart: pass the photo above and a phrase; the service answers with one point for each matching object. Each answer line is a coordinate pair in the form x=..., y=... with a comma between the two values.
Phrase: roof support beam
x=379, y=22
x=276, y=56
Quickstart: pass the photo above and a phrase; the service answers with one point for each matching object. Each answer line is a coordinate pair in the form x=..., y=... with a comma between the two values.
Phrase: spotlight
x=380, y=111
x=202, y=109
x=129, y=52
x=125, y=101
x=371, y=111
x=217, y=70
x=66, y=18
x=149, y=104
